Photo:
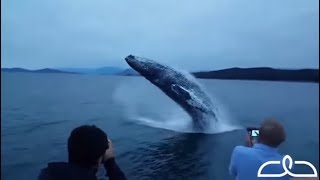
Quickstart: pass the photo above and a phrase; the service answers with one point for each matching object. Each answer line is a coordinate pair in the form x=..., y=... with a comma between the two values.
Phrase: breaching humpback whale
x=179, y=87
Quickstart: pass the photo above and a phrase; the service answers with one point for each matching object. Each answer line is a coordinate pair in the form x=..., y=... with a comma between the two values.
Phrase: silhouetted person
x=88, y=148
x=246, y=160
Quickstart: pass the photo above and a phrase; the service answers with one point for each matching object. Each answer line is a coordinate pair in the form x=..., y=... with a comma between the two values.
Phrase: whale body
x=180, y=87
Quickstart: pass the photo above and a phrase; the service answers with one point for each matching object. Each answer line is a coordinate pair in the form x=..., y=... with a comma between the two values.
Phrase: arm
x=232, y=166
x=235, y=155
x=113, y=170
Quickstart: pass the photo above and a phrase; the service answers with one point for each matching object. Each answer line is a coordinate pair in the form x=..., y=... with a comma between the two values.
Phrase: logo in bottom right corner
x=286, y=170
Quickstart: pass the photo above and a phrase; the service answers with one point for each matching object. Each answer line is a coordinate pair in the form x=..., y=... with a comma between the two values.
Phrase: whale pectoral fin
x=181, y=91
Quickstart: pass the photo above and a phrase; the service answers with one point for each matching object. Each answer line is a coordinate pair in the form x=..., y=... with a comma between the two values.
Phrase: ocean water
x=149, y=131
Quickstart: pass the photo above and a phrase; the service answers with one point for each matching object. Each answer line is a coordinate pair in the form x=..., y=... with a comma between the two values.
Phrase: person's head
x=87, y=145
x=271, y=133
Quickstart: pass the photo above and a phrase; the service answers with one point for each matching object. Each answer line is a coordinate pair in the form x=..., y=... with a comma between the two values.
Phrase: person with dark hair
x=246, y=160
x=88, y=148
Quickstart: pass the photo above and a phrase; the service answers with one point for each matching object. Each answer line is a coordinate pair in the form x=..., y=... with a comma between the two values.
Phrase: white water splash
x=184, y=124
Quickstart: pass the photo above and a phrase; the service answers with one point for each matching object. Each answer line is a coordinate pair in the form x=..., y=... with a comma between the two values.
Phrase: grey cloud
x=189, y=34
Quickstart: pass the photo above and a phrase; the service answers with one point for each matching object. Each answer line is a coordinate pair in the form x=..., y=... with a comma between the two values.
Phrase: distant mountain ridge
x=45, y=70
x=259, y=73
x=262, y=73
x=129, y=72
x=96, y=71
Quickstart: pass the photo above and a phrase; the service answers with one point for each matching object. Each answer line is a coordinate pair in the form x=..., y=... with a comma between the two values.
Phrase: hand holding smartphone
x=253, y=134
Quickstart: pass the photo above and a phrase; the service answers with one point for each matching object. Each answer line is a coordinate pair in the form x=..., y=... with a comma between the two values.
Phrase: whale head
x=150, y=69
x=164, y=77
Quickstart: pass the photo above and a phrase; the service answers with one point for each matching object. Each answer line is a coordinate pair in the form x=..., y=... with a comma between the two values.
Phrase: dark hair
x=86, y=145
x=272, y=133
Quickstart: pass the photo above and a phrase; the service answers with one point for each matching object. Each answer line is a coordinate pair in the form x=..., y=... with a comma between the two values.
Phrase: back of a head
x=86, y=145
x=272, y=133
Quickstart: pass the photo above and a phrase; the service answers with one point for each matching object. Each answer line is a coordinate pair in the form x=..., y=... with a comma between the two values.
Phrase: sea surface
x=149, y=131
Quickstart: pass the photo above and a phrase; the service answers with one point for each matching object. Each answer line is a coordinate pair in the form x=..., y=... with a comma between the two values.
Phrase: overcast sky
x=190, y=34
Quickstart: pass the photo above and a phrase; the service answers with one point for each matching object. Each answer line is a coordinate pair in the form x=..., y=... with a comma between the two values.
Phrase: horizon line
x=235, y=67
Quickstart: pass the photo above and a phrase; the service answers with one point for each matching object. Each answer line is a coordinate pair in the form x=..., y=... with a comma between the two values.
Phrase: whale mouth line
x=179, y=87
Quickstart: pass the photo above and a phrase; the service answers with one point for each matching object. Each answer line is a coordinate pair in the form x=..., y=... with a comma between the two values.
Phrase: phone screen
x=254, y=134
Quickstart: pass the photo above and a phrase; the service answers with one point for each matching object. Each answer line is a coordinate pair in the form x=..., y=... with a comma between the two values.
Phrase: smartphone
x=254, y=134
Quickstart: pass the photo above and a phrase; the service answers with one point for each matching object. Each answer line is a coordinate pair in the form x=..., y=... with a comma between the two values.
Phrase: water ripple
x=38, y=126
x=177, y=155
